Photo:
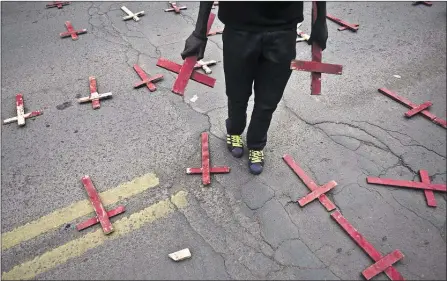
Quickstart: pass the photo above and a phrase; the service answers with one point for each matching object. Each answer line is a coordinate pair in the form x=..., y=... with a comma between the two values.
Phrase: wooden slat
x=100, y=211
x=382, y=264
x=324, y=200
x=196, y=76
x=316, y=193
x=90, y=222
x=20, y=110
x=408, y=184
x=391, y=272
x=313, y=66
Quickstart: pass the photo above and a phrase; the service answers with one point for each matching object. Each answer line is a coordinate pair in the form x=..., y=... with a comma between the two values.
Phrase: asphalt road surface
x=137, y=146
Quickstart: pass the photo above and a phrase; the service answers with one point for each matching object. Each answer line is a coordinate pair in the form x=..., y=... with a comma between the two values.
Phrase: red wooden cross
x=206, y=170
x=102, y=216
x=71, y=32
x=344, y=25
x=315, y=66
x=415, y=109
x=426, y=3
x=175, y=8
x=57, y=4
x=21, y=115
x=423, y=184
x=94, y=96
x=148, y=81
x=317, y=192
x=382, y=263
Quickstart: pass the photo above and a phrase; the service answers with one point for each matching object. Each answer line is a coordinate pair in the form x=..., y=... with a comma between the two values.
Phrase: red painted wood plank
x=408, y=184
x=94, y=92
x=100, y=211
x=184, y=75
x=418, y=109
x=346, y=25
x=196, y=76
x=188, y=66
x=411, y=105
x=211, y=33
x=20, y=110
x=391, y=272
x=57, y=4
x=382, y=264
x=85, y=224
x=429, y=195
x=174, y=6
x=316, y=193
x=317, y=54
x=308, y=182
x=426, y=3
x=313, y=66
x=213, y=170
x=206, y=179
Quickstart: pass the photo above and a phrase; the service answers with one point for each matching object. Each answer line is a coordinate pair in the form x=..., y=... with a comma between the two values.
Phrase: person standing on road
x=259, y=42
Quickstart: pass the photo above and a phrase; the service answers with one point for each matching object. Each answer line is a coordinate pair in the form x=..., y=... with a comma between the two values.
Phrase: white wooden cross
x=21, y=116
x=131, y=15
x=204, y=65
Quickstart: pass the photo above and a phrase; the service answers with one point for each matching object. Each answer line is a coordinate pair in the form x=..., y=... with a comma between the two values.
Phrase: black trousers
x=258, y=60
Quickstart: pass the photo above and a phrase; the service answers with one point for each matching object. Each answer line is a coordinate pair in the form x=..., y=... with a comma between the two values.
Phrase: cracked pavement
x=242, y=226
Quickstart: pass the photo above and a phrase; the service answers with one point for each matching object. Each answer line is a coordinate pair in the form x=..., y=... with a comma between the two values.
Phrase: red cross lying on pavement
x=101, y=215
x=344, y=25
x=317, y=192
x=206, y=170
x=94, y=96
x=148, y=81
x=316, y=67
x=21, y=115
x=383, y=263
x=57, y=4
x=424, y=184
x=415, y=109
x=71, y=32
x=175, y=8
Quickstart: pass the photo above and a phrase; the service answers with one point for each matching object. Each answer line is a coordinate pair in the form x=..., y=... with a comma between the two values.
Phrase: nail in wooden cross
x=426, y=3
x=187, y=68
x=344, y=25
x=415, y=109
x=21, y=116
x=102, y=216
x=57, y=4
x=423, y=184
x=204, y=65
x=317, y=192
x=94, y=96
x=382, y=263
x=148, y=81
x=71, y=32
x=131, y=15
x=175, y=8
x=316, y=67
x=303, y=36
x=206, y=170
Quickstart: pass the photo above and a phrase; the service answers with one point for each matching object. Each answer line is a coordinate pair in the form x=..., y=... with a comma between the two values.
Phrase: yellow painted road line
x=76, y=210
x=77, y=247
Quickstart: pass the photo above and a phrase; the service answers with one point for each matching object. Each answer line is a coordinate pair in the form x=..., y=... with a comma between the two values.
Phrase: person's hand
x=319, y=34
x=194, y=46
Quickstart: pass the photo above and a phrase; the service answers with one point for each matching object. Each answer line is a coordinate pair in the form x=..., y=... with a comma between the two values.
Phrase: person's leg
x=271, y=78
x=241, y=51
